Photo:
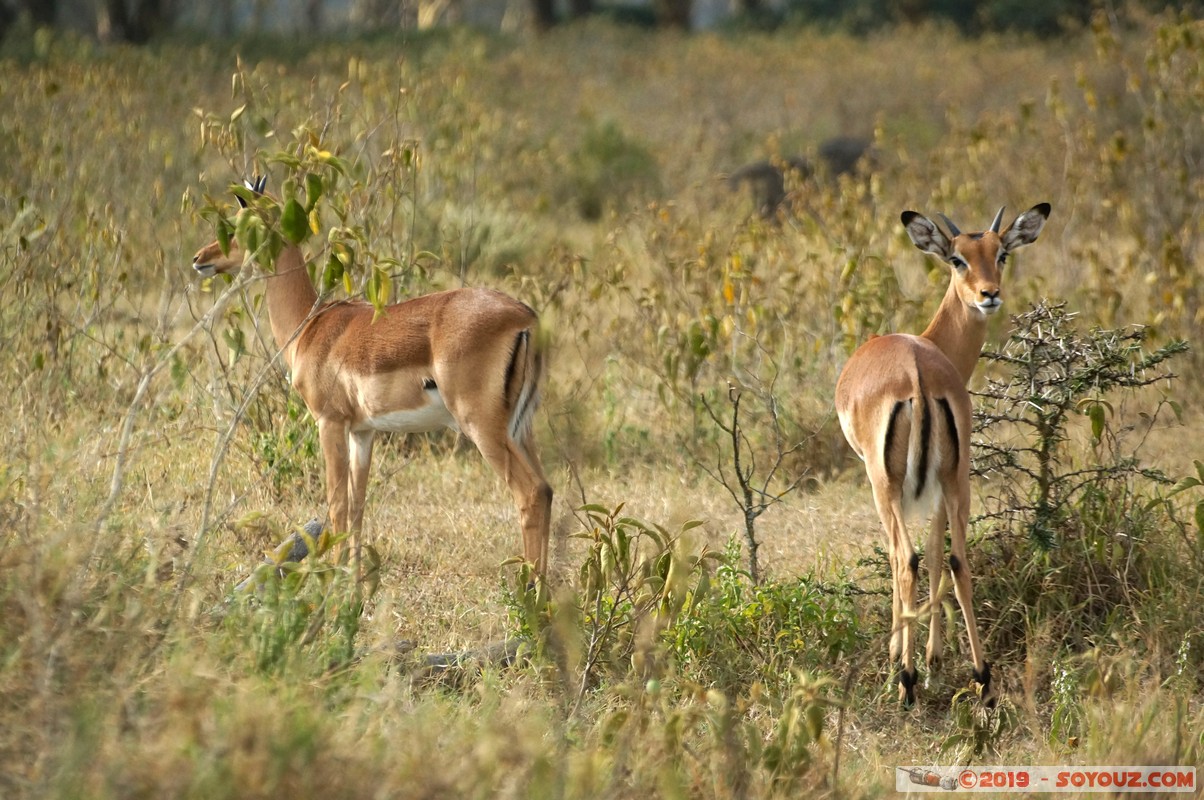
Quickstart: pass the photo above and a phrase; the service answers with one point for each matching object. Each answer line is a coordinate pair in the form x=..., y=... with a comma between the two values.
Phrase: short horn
x=953, y=229
x=998, y=219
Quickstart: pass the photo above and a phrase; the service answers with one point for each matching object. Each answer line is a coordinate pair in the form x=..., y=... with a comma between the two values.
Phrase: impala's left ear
x=1025, y=229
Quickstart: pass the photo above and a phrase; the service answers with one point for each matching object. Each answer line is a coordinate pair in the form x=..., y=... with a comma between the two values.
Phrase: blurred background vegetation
x=138, y=21
x=707, y=224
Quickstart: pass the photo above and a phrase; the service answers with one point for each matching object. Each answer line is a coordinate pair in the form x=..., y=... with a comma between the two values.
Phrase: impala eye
x=1003, y=257
x=957, y=262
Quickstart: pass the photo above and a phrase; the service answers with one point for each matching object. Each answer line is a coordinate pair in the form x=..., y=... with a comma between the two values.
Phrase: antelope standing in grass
x=904, y=408
x=465, y=359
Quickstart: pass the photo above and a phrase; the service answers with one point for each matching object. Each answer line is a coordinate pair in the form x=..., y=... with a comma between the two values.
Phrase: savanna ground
x=154, y=453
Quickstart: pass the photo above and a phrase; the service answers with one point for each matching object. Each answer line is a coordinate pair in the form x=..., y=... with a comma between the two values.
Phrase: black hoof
x=983, y=679
x=907, y=682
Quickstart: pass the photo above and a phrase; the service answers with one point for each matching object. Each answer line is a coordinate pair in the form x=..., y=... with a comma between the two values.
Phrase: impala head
x=210, y=260
x=977, y=258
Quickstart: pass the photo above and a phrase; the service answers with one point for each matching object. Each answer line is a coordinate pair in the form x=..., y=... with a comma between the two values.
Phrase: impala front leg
x=360, y=458
x=332, y=435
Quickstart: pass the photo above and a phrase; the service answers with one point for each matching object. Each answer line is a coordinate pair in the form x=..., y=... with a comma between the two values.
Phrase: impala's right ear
x=926, y=235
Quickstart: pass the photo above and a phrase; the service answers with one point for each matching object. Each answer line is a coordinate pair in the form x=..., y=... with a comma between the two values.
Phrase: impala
x=905, y=410
x=465, y=358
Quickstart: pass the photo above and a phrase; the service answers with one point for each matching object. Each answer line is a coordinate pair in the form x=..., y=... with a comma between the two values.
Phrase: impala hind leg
x=522, y=472
x=958, y=511
x=538, y=532
x=904, y=563
x=933, y=558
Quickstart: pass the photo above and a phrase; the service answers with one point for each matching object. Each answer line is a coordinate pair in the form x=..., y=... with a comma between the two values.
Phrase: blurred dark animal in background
x=767, y=181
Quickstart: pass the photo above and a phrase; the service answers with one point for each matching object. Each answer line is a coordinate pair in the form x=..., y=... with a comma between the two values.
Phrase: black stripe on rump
x=512, y=366
x=925, y=436
x=951, y=424
x=888, y=442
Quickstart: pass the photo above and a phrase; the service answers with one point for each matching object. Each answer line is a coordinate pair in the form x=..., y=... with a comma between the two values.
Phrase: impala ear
x=926, y=235
x=1025, y=229
x=256, y=184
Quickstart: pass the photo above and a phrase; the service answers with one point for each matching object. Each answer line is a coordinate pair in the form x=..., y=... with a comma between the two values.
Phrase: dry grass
x=122, y=672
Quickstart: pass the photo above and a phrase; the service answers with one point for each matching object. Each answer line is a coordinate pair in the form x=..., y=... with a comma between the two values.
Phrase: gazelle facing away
x=905, y=410
x=465, y=359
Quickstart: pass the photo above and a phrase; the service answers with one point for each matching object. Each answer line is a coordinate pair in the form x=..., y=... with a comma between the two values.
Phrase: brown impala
x=904, y=408
x=465, y=359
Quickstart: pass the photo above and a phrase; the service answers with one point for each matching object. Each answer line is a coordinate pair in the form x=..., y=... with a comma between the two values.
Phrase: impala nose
x=205, y=270
x=990, y=300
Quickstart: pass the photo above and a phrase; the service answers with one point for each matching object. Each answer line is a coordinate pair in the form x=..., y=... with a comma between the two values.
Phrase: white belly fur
x=429, y=417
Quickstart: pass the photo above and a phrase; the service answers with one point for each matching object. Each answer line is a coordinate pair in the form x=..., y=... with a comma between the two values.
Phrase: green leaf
x=294, y=223
x=1200, y=517
x=224, y=230
x=1096, y=414
x=332, y=274
x=313, y=190
x=237, y=342
x=379, y=289
x=1183, y=486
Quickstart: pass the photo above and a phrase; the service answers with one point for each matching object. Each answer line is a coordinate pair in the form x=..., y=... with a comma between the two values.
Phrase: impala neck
x=959, y=332
x=290, y=297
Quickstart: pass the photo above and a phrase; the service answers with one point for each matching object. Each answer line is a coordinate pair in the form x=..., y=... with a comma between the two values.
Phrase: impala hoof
x=907, y=686
x=983, y=679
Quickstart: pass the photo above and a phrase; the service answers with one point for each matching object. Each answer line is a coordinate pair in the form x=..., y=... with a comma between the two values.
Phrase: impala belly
x=402, y=403
x=427, y=417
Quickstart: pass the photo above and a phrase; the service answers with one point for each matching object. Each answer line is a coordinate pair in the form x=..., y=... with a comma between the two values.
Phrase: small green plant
x=306, y=613
x=285, y=441
x=978, y=731
x=744, y=633
x=634, y=582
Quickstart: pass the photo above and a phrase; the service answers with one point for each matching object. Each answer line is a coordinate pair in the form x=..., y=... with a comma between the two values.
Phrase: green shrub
x=1075, y=523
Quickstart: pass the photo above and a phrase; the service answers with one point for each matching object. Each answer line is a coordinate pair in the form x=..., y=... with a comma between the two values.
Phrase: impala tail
x=523, y=376
x=920, y=441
